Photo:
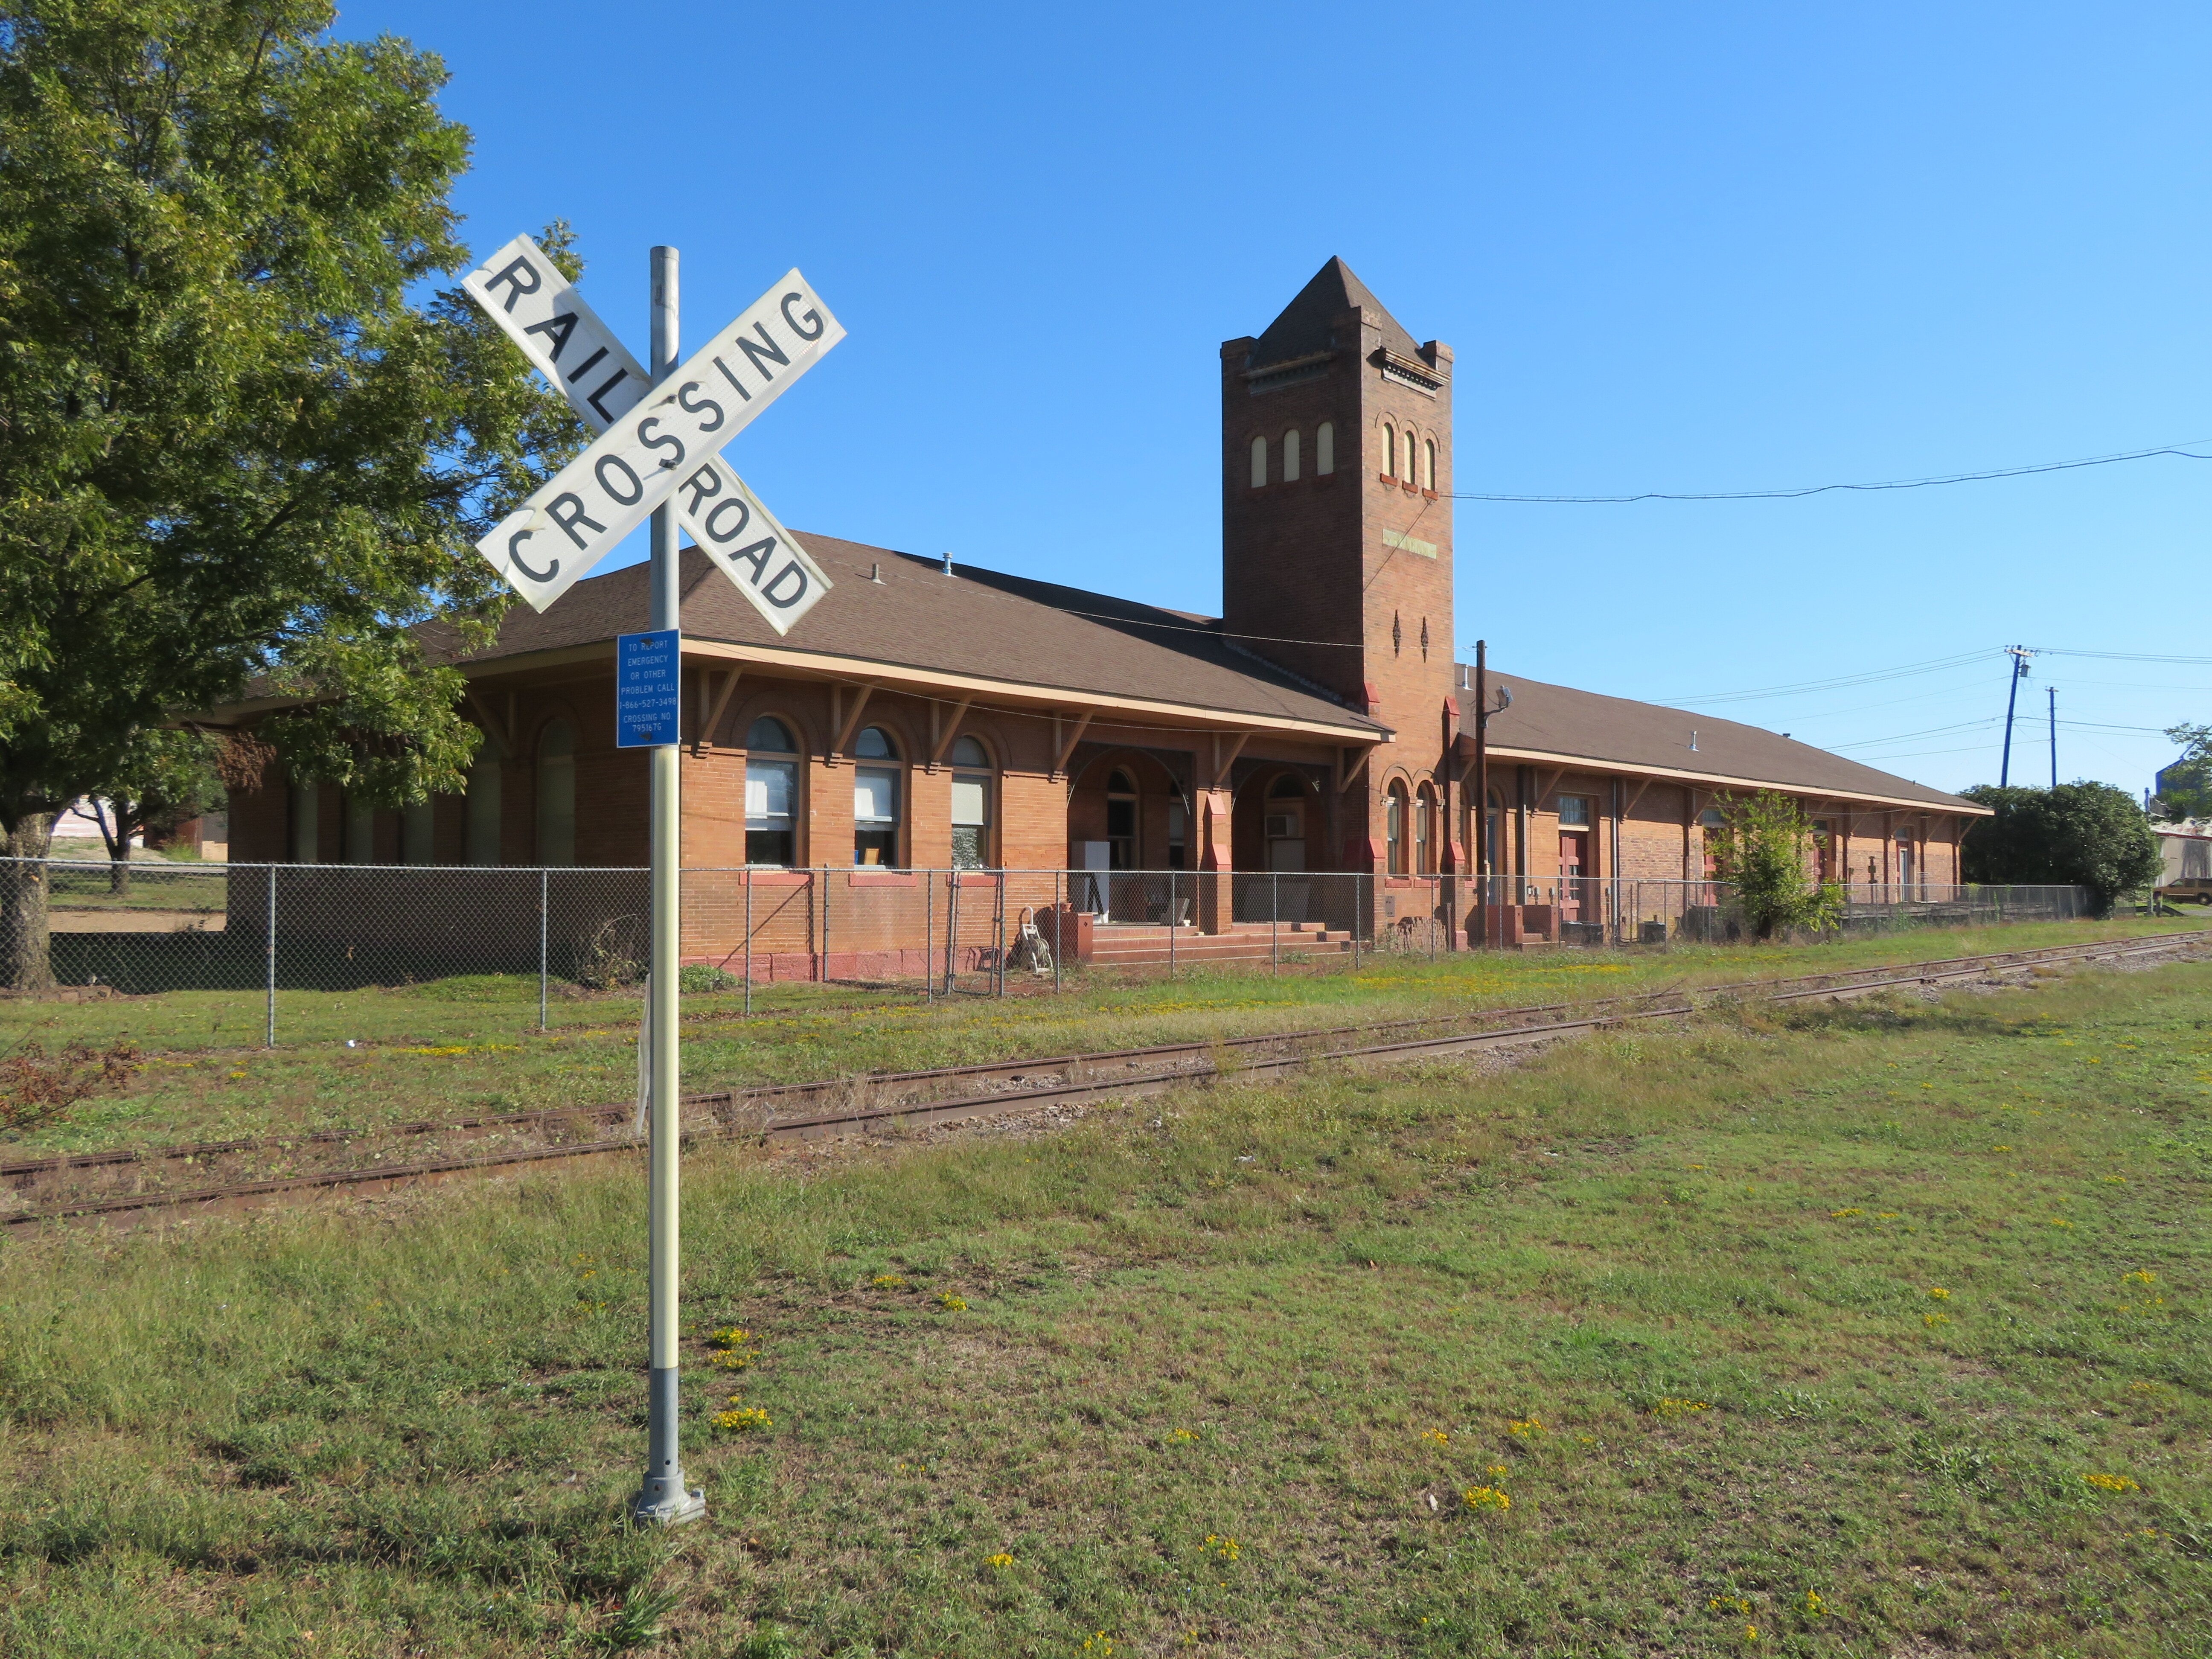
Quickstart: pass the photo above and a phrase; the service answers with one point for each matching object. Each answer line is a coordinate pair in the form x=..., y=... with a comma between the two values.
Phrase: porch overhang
x=1463, y=749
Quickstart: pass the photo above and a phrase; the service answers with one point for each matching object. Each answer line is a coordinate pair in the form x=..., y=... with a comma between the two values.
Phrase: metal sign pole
x=665, y=1499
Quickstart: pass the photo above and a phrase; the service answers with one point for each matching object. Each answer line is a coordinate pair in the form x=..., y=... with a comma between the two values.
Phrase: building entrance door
x=1574, y=855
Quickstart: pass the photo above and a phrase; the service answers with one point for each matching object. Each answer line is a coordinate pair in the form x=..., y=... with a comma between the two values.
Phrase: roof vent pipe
x=1693, y=741
x=948, y=564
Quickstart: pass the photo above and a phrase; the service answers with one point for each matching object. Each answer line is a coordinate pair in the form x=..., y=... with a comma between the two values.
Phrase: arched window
x=1428, y=463
x=1389, y=451
x=971, y=804
x=875, y=799
x=360, y=830
x=1290, y=456
x=771, y=793
x=1425, y=839
x=557, y=793
x=1123, y=844
x=1393, y=831
x=1324, y=449
x=482, y=806
x=418, y=825
x=1259, y=463
x=306, y=810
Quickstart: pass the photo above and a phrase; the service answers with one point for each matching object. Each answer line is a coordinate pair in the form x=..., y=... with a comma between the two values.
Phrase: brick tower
x=1336, y=548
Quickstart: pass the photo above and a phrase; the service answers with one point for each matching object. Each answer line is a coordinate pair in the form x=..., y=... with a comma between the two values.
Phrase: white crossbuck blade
x=653, y=441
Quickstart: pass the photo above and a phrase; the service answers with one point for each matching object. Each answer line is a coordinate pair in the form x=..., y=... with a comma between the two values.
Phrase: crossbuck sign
x=655, y=441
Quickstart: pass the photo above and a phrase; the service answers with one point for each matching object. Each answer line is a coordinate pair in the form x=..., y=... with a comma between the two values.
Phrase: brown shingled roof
x=978, y=622
x=1560, y=721
x=1304, y=326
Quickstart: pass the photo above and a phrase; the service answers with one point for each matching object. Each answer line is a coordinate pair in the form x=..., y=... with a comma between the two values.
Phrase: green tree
x=2078, y=835
x=166, y=777
x=2185, y=788
x=1765, y=850
x=232, y=451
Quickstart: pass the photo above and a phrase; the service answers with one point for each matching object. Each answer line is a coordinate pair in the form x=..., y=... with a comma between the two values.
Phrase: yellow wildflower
x=2111, y=1482
x=1486, y=1497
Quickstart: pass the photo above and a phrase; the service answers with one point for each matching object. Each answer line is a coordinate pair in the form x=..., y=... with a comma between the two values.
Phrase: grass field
x=452, y=1048
x=1875, y=1330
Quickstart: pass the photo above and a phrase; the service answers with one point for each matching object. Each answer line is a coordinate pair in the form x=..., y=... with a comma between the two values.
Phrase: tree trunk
x=119, y=845
x=26, y=961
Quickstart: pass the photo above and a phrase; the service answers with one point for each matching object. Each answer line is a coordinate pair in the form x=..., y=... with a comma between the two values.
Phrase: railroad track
x=826, y=1107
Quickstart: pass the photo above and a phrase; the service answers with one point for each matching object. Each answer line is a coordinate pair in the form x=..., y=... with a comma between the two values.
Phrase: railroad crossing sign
x=654, y=443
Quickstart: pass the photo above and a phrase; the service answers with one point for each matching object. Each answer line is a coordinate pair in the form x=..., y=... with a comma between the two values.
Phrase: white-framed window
x=1393, y=831
x=1259, y=463
x=771, y=792
x=971, y=804
x=1574, y=810
x=1324, y=449
x=557, y=793
x=1290, y=456
x=875, y=799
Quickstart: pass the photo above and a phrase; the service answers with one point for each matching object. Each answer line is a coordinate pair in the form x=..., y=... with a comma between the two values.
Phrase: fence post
x=1275, y=923
x=823, y=977
x=1356, y=880
x=998, y=924
x=1435, y=900
x=544, y=892
x=952, y=923
x=928, y=934
x=749, y=940
x=1171, y=924
x=270, y=1040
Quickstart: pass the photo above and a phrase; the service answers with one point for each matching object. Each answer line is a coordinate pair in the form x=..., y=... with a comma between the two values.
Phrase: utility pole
x=1482, y=893
x=2020, y=655
x=2054, y=736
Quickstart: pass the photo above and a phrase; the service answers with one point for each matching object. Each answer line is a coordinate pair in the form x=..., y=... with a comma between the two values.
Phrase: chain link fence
x=269, y=928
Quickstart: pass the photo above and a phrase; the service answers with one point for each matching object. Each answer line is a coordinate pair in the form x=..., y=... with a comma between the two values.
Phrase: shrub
x=1764, y=846
x=36, y=1090
x=702, y=976
x=2079, y=834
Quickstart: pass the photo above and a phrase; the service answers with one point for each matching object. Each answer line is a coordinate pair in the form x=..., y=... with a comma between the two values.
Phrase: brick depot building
x=929, y=715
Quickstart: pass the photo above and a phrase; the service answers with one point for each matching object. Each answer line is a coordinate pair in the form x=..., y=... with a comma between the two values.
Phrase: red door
x=1574, y=852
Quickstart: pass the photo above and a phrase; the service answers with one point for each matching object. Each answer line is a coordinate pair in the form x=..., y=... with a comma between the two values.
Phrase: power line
x=1841, y=681
x=2183, y=451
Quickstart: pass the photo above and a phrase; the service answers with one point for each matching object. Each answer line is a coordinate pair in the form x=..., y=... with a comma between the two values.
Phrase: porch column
x=1214, y=909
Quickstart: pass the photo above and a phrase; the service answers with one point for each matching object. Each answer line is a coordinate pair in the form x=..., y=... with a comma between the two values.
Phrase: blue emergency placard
x=648, y=690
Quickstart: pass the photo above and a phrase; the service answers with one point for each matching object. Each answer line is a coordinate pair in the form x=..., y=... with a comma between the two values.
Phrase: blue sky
x=1709, y=248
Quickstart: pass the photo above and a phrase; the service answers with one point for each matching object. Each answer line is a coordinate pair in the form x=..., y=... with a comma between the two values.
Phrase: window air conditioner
x=1283, y=826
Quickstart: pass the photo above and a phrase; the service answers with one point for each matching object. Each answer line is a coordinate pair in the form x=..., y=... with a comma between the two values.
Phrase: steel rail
x=1015, y=1069
x=1067, y=1085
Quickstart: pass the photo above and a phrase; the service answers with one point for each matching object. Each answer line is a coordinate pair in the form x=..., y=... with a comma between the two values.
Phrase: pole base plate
x=668, y=1504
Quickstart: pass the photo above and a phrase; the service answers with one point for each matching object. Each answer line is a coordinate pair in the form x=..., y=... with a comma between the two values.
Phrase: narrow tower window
x=1290, y=456
x=1259, y=463
x=1389, y=451
x=1324, y=449
x=1428, y=464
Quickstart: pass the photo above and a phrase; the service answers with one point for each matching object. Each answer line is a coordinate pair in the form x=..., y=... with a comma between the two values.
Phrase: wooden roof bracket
x=844, y=722
x=1347, y=776
x=1068, y=744
x=715, y=702
x=500, y=732
x=1223, y=762
x=940, y=738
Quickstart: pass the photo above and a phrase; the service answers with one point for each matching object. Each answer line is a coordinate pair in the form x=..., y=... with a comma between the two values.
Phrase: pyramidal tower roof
x=1304, y=326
